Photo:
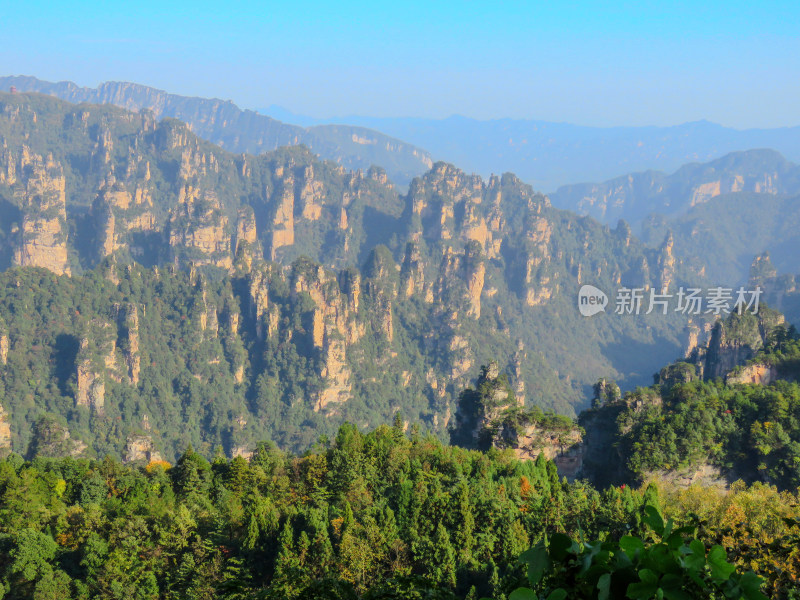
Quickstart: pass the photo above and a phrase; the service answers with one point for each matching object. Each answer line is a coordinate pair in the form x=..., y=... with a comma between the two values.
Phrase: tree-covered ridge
x=726, y=232
x=743, y=421
x=636, y=196
x=380, y=515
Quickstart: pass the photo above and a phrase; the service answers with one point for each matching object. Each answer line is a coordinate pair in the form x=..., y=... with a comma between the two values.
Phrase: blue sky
x=593, y=63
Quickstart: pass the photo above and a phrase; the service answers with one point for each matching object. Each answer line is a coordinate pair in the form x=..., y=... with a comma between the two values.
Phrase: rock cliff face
x=198, y=230
x=491, y=416
x=333, y=326
x=4, y=345
x=603, y=459
x=52, y=439
x=735, y=341
x=127, y=317
x=779, y=291
x=753, y=374
x=566, y=449
x=283, y=222
x=158, y=193
x=666, y=265
x=42, y=197
x=140, y=448
x=96, y=360
x=446, y=204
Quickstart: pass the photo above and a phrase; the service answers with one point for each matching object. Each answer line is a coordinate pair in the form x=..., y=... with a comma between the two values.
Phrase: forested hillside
x=378, y=516
x=158, y=227
x=730, y=411
x=727, y=231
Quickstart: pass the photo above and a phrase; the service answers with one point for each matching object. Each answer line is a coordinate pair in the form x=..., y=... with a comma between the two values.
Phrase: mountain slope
x=369, y=303
x=729, y=412
x=223, y=123
x=726, y=232
x=637, y=195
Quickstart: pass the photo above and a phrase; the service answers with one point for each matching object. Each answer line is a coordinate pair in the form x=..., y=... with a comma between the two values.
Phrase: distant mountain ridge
x=549, y=155
x=725, y=233
x=721, y=214
x=637, y=195
x=245, y=131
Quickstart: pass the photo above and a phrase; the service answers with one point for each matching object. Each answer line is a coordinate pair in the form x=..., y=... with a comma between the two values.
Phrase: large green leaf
x=631, y=545
x=642, y=590
x=696, y=559
x=604, y=587
x=721, y=569
x=537, y=561
x=560, y=546
x=654, y=519
x=523, y=594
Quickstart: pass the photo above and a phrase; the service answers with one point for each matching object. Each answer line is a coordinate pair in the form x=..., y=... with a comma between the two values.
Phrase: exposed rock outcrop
x=735, y=341
x=198, y=230
x=43, y=232
x=283, y=221
x=127, y=316
x=5, y=432
x=490, y=415
x=52, y=439
x=96, y=360
x=4, y=346
x=565, y=448
x=759, y=374
x=140, y=447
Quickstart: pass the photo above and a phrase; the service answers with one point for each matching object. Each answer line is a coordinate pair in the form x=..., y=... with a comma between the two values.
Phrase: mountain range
x=549, y=155
x=635, y=196
x=721, y=213
x=544, y=154
x=246, y=131
x=275, y=296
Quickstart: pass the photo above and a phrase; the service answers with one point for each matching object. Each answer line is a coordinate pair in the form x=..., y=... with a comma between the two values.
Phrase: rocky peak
x=51, y=438
x=247, y=247
x=43, y=202
x=734, y=341
x=490, y=416
x=762, y=270
x=95, y=360
x=198, y=229
x=283, y=221
x=412, y=273
x=140, y=447
x=666, y=265
x=127, y=317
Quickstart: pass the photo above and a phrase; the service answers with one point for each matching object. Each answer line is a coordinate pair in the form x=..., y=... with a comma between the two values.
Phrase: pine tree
x=444, y=558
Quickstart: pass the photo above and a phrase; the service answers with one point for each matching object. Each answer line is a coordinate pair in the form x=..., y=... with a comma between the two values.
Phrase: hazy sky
x=594, y=63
